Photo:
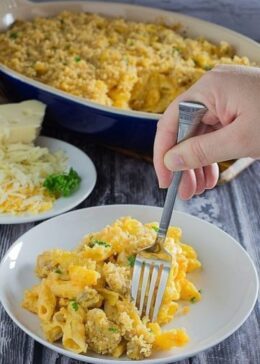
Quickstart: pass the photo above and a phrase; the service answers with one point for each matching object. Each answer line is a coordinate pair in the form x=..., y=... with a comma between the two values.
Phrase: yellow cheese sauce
x=83, y=298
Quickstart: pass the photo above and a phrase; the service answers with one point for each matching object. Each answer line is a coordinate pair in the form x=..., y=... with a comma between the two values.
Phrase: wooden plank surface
x=233, y=207
x=121, y=179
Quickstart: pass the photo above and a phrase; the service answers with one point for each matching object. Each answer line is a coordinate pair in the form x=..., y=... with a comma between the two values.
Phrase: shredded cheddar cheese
x=23, y=168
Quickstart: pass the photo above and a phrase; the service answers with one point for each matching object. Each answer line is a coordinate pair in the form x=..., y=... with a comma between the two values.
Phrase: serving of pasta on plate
x=83, y=298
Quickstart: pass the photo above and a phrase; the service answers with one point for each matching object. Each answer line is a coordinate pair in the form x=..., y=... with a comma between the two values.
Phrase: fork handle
x=190, y=115
x=168, y=205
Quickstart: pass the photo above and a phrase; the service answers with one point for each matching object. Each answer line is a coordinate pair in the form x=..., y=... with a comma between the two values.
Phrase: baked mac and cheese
x=115, y=62
x=83, y=298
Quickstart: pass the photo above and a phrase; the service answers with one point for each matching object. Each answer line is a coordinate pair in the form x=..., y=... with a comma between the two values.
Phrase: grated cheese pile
x=23, y=168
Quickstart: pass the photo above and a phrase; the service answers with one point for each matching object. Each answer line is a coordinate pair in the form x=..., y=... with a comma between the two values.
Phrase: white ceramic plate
x=228, y=281
x=79, y=161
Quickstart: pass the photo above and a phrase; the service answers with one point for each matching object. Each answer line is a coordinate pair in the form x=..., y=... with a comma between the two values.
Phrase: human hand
x=232, y=129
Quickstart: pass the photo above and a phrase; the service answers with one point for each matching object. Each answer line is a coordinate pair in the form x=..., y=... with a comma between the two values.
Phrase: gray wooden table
x=234, y=207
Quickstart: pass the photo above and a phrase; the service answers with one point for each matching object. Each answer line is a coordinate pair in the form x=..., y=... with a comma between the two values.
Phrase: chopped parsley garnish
x=207, y=68
x=113, y=329
x=77, y=59
x=13, y=35
x=176, y=49
x=58, y=271
x=193, y=299
x=62, y=184
x=131, y=260
x=155, y=228
x=99, y=242
x=130, y=42
x=74, y=305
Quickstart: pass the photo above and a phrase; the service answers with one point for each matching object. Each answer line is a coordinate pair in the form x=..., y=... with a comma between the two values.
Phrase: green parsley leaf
x=77, y=59
x=131, y=260
x=62, y=184
x=99, y=242
x=155, y=228
x=207, y=68
x=58, y=271
x=74, y=305
x=193, y=300
x=13, y=35
x=130, y=42
x=176, y=49
x=113, y=329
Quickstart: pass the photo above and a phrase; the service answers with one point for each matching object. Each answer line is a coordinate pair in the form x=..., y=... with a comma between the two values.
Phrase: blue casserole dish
x=121, y=128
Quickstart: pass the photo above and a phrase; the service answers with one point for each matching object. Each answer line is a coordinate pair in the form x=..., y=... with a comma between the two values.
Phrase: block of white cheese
x=21, y=123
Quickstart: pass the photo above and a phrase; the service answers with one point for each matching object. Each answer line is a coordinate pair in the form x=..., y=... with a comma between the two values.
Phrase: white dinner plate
x=80, y=162
x=228, y=280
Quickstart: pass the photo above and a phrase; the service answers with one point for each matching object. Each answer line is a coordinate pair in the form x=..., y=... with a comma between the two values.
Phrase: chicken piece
x=103, y=336
x=89, y=298
x=117, y=278
x=138, y=348
x=122, y=319
x=125, y=323
x=45, y=264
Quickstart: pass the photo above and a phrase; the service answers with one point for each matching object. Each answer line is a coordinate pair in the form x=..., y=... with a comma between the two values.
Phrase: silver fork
x=152, y=265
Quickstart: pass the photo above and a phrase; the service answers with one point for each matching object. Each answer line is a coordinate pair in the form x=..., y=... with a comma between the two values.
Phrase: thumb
x=216, y=146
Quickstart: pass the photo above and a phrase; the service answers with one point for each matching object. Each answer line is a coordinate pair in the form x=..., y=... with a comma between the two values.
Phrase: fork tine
x=151, y=289
x=136, y=278
x=144, y=285
x=161, y=288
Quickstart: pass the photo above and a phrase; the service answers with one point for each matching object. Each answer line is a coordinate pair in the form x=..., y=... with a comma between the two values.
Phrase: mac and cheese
x=83, y=298
x=115, y=62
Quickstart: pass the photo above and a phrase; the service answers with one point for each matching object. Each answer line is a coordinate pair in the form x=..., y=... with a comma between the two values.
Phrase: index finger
x=165, y=139
x=167, y=127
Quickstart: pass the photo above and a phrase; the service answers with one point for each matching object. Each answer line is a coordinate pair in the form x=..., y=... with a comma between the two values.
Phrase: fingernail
x=163, y=185
x=174, y=162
